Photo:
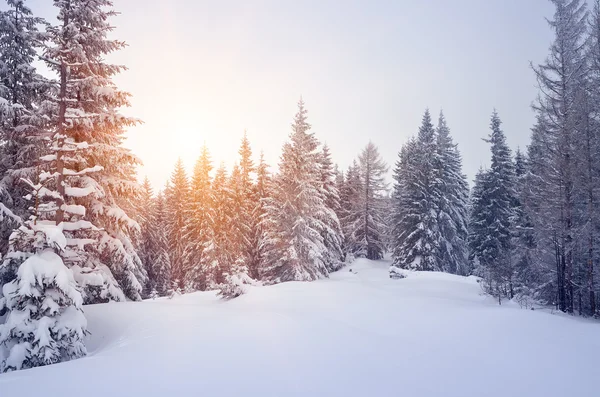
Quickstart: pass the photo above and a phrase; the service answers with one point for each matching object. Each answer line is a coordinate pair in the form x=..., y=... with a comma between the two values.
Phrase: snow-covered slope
x=360, y=334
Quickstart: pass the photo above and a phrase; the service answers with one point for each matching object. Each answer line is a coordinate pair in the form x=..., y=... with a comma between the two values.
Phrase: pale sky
x=203, y=71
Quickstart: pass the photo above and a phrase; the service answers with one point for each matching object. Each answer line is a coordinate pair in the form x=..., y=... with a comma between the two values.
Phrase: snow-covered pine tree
x=197, y=229
x=45, y=323
x=333, y=237
x=160, y=269
x=491, y=217
x=95, y=171
x=350, y=214
x=147, y=237
x=523, y=234
x=177, y=198
x=371, y=227
x=243, y=200
x=218, y=252
x=261, y=192
x=558, y=111
x=294, y=245
x=234, y=266
x=452, y=199
x=416, y=196
x=22, y=126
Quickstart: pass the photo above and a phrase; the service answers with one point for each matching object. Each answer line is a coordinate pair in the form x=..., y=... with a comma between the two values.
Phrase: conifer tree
x=452, y=193
x=177, y=198
x=416, y=196
x=350, y=217
x=294, y=244
x=218, y=251
x=94, y=172
x=160, y=269
x=22, y=124
x=197, y=228
x=262, y=190
x=333, y=237
x=492, y=214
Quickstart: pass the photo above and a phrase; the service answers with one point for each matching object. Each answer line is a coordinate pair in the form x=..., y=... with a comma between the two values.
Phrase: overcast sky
x=203, y=71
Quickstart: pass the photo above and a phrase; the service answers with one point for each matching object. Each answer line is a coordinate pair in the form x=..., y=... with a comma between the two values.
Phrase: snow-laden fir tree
x=243, y=201
x=153, y=249
x=350, y=212
x=159, y=271
x=524, y=243
x=416, y=195
x=177, y=197
x=333, y=237
x=45, y=323
x=95, y=172
x=197, y=228
x=261, y=192
x=294, y=245
x=22, y=93
x=452, y=200
x=239, y=204
x=218, y=252
x=492, y=214
x=146, y=238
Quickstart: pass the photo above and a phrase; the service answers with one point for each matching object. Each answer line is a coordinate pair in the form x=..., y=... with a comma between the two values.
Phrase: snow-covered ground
x=361, y=334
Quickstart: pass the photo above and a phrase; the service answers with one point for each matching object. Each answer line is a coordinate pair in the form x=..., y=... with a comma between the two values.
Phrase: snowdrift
x=356, y=334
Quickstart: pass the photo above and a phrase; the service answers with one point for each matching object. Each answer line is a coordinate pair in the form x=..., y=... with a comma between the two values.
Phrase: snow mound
x=358, y=333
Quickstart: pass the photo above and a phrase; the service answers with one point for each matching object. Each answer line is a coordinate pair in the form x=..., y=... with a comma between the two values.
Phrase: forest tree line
x=76, y=227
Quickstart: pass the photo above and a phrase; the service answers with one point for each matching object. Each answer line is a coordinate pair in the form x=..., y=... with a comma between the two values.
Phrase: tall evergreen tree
x=22, y=125
x=416, y=194
x=294, y=244
x=177, y=197
x=197, y=227
x=452, y=199
x=262, y=190
x=350, y=213
x=333, y=237
x=93, y=169
x=491, y=218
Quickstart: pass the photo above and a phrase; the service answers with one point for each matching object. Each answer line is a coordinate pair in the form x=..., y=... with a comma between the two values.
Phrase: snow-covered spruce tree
x=351, y=199
x=159, y=272
x=294, y=244
x=177, y=197
x=371, y=227
x=558, y=110
x=22, y=128
x=261, y=192
x=197, y=229
x=492, y=214
x=146, y=239
x=218, y=252
x=153, y=249
x=452, y=199
x=243, y=202
x=45, y=323
x=333, y=237
x=94, y=171
x=416, y=196
x=239, y=216
x=524, y=243
x=234, y=268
